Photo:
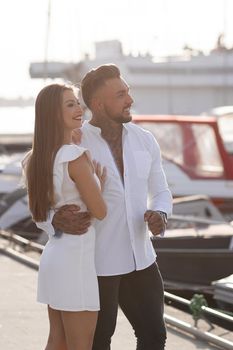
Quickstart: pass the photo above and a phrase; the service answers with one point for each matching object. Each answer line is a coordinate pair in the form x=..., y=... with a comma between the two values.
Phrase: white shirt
x=122, y=238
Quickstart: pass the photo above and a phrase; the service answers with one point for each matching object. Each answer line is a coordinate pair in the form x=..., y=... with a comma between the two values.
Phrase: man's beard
x=122, y=119
x=119, y=118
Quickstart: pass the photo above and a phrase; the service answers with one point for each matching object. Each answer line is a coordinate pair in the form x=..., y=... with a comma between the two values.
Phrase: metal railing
x=205, y=309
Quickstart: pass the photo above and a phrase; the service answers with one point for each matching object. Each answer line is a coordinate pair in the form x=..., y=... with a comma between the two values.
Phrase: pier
x=24, y=323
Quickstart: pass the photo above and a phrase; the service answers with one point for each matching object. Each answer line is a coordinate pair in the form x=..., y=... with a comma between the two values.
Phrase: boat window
x=191, y=146
x=171, y=147
x=226, y=130
x=208, y=159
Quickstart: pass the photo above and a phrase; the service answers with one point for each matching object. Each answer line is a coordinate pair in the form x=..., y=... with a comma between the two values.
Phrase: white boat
x=10, y=172
x=223, y=292
x=12, y=151
x=13, y=208
x=195, y=158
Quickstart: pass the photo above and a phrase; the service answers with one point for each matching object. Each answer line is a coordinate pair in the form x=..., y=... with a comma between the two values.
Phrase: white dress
x=67, y=277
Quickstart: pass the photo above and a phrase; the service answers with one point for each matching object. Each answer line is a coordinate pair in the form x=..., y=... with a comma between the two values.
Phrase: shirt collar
x=91, y=127
x=97, y=130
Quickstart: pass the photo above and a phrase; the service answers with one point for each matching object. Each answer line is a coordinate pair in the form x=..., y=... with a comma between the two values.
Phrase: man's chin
x=127, y=119
x=123, y=119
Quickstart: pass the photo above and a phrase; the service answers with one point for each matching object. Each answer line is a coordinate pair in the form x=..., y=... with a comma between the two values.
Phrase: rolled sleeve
x=159, y=195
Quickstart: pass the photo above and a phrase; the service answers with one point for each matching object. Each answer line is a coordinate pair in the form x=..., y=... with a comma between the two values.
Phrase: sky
x=160, y=27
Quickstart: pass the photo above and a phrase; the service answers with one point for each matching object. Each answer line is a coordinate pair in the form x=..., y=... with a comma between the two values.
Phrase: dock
x=24, y=324
x=15, y=142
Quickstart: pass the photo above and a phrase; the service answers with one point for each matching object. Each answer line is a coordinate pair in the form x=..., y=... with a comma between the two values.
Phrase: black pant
x=141, y=298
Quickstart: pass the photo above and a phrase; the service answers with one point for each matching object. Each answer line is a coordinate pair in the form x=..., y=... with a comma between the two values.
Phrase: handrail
x=194, y=219
x=206, y=336
x=12, y=237
x=205, y=309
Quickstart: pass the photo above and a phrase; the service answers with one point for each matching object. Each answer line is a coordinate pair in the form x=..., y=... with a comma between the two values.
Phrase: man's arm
x=159, y=195
x=67, y=219
x=157, y=221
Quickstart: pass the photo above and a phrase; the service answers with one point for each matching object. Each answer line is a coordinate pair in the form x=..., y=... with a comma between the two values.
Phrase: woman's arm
x=81, y=172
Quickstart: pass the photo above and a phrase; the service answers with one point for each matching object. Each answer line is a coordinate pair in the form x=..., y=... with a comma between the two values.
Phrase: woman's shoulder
x=69, y=152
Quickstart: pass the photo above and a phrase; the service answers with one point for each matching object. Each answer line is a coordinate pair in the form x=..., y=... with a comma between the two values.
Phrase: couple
x=119, y=194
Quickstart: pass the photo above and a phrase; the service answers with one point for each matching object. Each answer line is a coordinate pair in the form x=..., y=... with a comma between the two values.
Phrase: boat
x=197, y=237
x=10, y=172
x=195, y=159
x=191, y=258
x=13, y=208
x=14, y=212
x=12, y=151
x=224, y=115
x=197, y=248
x=223, y=293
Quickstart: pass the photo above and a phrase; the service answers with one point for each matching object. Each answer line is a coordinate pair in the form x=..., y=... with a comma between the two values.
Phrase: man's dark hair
x=96, y=78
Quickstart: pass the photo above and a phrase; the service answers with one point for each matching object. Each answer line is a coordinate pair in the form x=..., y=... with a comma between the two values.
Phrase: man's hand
x=69, y=219
x=156, y=223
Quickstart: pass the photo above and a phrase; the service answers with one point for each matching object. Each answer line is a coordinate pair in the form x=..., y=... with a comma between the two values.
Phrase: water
x=16, y=120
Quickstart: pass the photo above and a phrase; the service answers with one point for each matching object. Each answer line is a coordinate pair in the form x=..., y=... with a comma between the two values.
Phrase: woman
x=58, y=173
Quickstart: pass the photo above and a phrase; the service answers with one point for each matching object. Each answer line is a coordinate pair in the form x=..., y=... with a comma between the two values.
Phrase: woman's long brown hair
x=48, y=138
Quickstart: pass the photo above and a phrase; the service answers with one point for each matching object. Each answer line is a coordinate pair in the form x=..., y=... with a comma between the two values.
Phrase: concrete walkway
x=24, y=325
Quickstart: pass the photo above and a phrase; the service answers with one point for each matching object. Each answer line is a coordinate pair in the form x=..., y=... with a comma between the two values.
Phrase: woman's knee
x=56, y=342
x=79, y=329
x=56, y=338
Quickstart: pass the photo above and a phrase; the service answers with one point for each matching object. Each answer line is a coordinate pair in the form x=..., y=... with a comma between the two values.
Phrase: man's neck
x=110, y=130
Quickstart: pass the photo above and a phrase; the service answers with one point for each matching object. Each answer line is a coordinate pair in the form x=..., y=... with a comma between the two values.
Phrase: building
x=188, y=84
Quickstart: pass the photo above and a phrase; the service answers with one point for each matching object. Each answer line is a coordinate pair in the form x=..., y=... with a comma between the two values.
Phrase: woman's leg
x=106, y=324
x=79, y=329
x=56, y=339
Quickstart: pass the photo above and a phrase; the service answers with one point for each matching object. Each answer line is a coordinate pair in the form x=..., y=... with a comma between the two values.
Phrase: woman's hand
x=101, y=173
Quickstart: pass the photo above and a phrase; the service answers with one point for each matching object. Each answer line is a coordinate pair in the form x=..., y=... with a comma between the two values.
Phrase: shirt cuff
x=47, y=225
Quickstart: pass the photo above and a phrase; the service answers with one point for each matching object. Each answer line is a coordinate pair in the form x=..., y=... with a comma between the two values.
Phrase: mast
x=225, y=56
x=45, y=70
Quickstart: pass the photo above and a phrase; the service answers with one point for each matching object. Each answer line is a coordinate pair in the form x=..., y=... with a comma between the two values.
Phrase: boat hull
x=196, y=261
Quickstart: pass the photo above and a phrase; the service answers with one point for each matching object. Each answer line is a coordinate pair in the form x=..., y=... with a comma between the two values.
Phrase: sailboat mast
x=45, y=72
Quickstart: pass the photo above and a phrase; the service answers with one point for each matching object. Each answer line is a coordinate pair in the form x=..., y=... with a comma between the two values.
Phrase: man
x=136, y=194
